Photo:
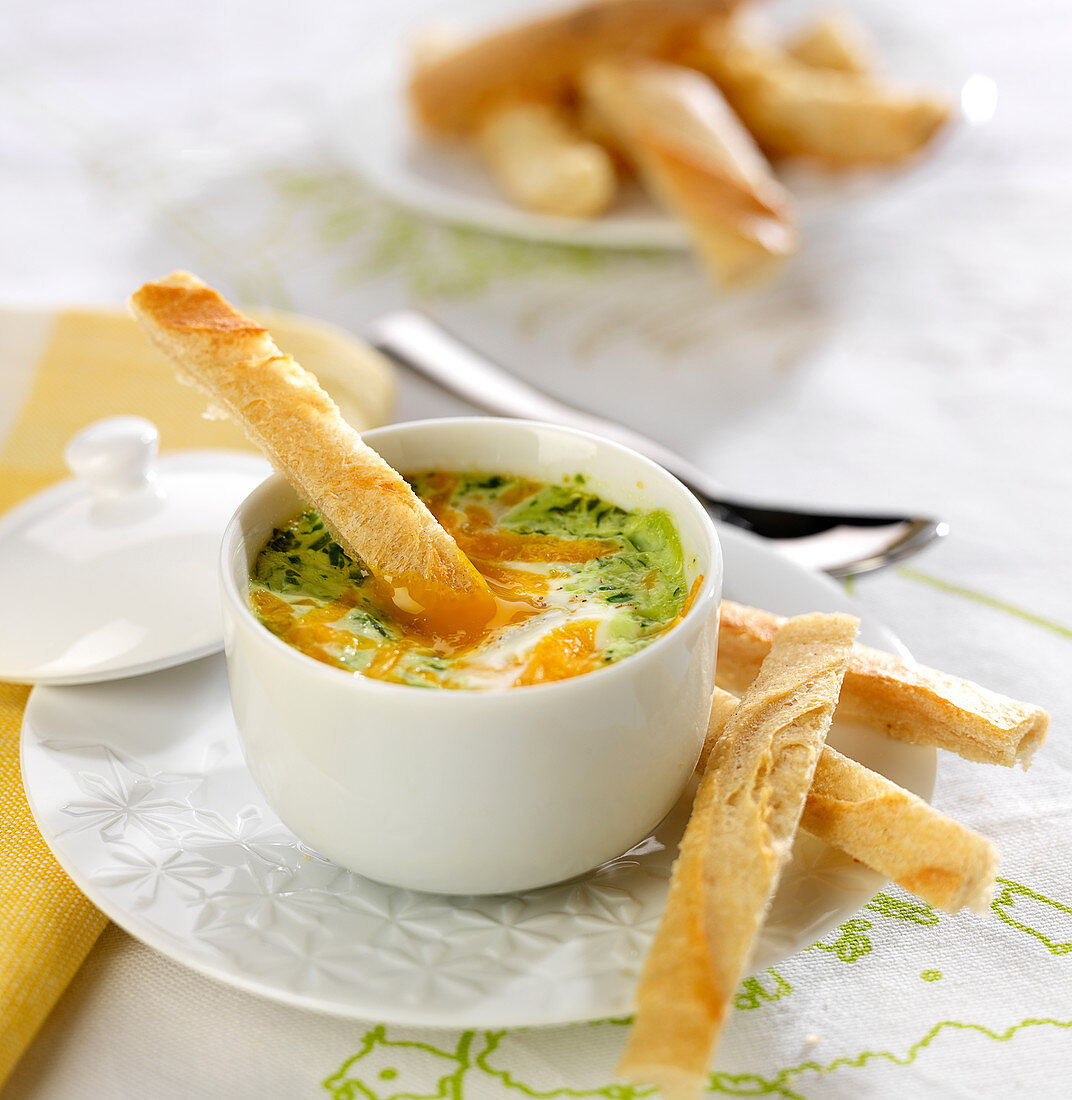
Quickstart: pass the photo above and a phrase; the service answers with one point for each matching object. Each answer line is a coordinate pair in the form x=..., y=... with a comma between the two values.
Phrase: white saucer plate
x=140, y=790
x=446, y=181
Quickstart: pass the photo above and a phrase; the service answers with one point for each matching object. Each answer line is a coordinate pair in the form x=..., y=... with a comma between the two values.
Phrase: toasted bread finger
x=906, y=701
x=543, y=162
x=540, y=59
x=796, y=110
x=696, y=157
x=433, y=43
x=894, y=832
x=887, y=828
x=368, y=507
x=833, y=41
x=738, y=839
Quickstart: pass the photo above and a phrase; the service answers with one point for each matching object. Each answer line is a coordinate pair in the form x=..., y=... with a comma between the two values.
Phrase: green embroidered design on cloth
x=778, y=1085
x=753, y=992
x=1022, y=908
x=907, y=909
x=389, y=1069
x=428, y=1072
x=434, y=1073
x=433, y=259
x=987, y=601
x=372, y=1073
x=851, y=944
x=614, y=1091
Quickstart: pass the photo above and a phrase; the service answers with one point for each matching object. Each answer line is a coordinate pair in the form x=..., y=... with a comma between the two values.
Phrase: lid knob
x=115, y=456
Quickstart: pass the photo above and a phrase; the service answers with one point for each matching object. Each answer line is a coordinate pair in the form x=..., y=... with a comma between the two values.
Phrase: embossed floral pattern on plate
x=140, y=788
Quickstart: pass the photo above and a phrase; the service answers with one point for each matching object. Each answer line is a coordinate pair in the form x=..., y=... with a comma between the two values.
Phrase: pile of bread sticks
x=766, y=771
x=684, y=95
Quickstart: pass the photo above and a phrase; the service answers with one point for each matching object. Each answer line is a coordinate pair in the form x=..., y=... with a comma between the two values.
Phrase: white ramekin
x=477, y=792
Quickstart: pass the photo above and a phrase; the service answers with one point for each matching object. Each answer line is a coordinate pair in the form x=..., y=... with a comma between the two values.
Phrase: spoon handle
x=842, y=544
x=419, y=343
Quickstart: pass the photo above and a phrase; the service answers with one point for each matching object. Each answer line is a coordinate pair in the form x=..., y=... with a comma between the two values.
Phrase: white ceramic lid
x=113, y=573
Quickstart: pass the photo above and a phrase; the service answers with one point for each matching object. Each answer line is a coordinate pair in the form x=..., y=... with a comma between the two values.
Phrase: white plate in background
x=446, y=181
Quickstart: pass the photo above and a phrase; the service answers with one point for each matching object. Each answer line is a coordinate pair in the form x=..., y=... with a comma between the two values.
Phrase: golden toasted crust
x=540, y=59
x=183, y=309
x=737, y=841
x=795, y=109
x=699, y=161
x=898, y=834
x=834, y=40
x=905, y=701
x=359, y=378
x=543, y=162
x=367, y=505
x=887, y=828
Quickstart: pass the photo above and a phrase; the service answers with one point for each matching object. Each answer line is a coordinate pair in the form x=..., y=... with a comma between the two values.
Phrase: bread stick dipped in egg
x=368, y=507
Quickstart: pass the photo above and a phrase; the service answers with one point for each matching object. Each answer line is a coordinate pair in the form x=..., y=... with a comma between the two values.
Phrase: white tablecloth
x=916, y=356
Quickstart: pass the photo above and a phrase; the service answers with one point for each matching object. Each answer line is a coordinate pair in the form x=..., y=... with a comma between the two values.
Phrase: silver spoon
x=841, y=544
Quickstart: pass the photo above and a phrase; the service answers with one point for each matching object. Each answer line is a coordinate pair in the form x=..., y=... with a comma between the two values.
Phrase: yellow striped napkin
x=85, y=365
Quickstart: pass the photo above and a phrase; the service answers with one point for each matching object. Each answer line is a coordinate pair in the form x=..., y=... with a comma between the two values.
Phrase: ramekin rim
x=712, y=580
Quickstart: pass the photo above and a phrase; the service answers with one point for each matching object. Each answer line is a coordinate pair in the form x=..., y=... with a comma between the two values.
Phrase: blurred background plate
x=447, y=182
